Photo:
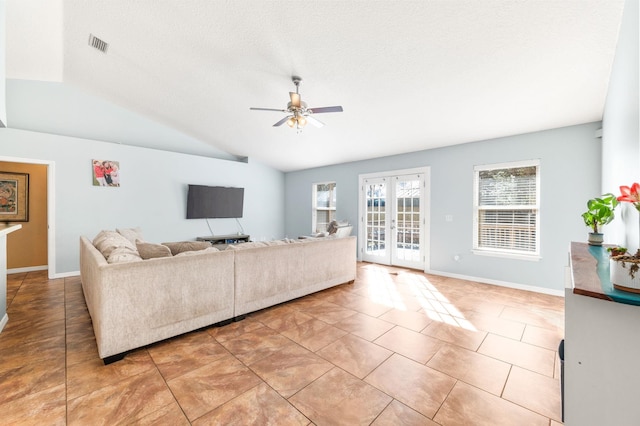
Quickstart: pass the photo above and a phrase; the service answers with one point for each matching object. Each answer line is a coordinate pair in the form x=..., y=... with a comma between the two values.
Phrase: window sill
x=507, y=255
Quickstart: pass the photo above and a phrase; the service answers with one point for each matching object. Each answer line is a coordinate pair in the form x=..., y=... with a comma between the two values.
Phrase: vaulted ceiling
x=410, y=75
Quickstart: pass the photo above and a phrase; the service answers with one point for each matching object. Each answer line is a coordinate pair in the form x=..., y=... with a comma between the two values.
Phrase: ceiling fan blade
x=295, y=99
x=281, y=122
x=320, y=110
x=314, y=121
x=268, y=109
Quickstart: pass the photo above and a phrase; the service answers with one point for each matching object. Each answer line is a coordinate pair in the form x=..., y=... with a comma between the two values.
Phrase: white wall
x=621, y=127
x=153, y=192
x=570, y=175
x=3, y=43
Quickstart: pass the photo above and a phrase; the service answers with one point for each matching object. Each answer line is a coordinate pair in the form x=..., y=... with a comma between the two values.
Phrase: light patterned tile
x=208, y=387
x=340, y=398
x=123, y=402
x=468, y=405
x=355, y=355
x=185, y=353
x=411, y=344
x=260, y=405
x=456, y=334
x=415, y=385
x=50, y=325
x=538, y=393
x=365, y=326
x=291, y=369
x=415, y=321
x=47, y=407
x=471, y=367
x=543, y=337
x=86, y=377
x=255, y=345
x=397, y=413
x=527, y=356
x=314, y=334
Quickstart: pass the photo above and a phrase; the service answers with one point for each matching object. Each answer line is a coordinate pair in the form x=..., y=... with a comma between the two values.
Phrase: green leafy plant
x=600, y=211
x=616, y=251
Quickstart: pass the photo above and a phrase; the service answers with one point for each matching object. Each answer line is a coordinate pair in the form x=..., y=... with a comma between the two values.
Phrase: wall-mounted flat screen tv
x=214, y=202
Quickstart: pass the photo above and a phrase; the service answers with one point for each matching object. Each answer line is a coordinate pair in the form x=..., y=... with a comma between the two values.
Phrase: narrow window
x=506, y=209
x=324, y=205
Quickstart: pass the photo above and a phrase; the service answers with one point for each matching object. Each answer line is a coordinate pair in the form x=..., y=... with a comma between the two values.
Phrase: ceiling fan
x=298, y=114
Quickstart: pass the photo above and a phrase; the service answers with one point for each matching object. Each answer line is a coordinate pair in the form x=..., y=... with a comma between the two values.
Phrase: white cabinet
x=601, y=350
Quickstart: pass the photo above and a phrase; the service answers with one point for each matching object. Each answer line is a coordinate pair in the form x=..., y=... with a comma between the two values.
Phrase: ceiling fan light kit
x=298, y=114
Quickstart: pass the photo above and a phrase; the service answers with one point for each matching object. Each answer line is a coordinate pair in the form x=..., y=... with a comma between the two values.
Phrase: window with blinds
x=324, y=205
x=507, y=208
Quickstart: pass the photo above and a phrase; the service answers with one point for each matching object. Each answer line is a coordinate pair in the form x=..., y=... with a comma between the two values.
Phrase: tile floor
x=395, y=347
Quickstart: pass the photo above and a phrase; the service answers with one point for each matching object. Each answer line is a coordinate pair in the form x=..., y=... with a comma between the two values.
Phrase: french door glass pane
x=376, y=195
x=408, y=220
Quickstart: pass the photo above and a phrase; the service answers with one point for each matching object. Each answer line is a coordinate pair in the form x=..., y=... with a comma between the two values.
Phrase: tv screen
x=212, y=202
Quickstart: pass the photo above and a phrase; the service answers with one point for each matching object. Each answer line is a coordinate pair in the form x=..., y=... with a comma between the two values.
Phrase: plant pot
x=619, y=272
x=595, y=238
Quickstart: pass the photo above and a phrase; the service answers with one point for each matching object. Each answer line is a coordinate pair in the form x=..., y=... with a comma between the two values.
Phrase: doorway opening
x=50, y=212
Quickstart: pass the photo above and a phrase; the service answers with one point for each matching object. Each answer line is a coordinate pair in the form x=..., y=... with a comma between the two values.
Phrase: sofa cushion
x=190, y=253
x=275, y=243
x=131, y=234
x=107, y=241
x=123, y=255
x=151, y=250
x=242, y=246
x=182, y=246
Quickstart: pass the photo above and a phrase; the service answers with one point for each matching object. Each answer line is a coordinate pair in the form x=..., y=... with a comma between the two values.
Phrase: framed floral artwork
x=14, y=197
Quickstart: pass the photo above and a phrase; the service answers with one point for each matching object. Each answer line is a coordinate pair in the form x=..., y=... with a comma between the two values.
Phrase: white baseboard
x=27, y=269
x=3, y=322
x=66, y=274
x=533, y=288
x=43, y=268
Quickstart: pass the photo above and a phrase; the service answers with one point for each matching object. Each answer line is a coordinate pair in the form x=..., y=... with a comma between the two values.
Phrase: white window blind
x=507, y=212
x=324, y=205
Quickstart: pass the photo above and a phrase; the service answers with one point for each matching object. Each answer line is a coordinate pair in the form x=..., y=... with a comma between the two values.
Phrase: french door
x=393, y=219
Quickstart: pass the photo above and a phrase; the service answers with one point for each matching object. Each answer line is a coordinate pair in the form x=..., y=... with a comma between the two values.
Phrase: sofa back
x=266, y=276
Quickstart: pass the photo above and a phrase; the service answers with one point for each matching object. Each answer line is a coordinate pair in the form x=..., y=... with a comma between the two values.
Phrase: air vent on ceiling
x=98, y=44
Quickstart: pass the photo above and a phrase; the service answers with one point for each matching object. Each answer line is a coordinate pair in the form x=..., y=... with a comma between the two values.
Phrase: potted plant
x=616, y=251
x=600, y=211
x=624, y=267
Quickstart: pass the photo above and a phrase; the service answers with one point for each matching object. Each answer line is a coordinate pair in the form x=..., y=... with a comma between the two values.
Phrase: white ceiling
x=411, y=75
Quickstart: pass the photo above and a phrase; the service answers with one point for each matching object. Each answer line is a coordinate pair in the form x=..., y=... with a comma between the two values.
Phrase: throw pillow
x=182, y=246
x=101, y=236
x=123, y=255
x=151, y=250
x=107, y=241
x=131, y=234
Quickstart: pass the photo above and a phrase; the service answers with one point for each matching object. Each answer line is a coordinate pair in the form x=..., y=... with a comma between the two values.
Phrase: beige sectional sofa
x=135, y=302
x=266, y=276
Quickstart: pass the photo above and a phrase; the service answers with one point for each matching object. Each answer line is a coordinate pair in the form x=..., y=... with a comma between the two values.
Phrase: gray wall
x=570, y=174
x=152, y=195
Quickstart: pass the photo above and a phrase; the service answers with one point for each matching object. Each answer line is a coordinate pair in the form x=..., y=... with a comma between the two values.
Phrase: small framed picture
x=106, y=172
x=14, y=197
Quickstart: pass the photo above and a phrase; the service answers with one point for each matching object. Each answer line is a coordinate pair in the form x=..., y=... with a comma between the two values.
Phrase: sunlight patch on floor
x=385, y=291
x=435, y=305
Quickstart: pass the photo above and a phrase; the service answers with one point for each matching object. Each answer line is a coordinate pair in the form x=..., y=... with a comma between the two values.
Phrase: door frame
x=425, y=234
x=51, y=209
